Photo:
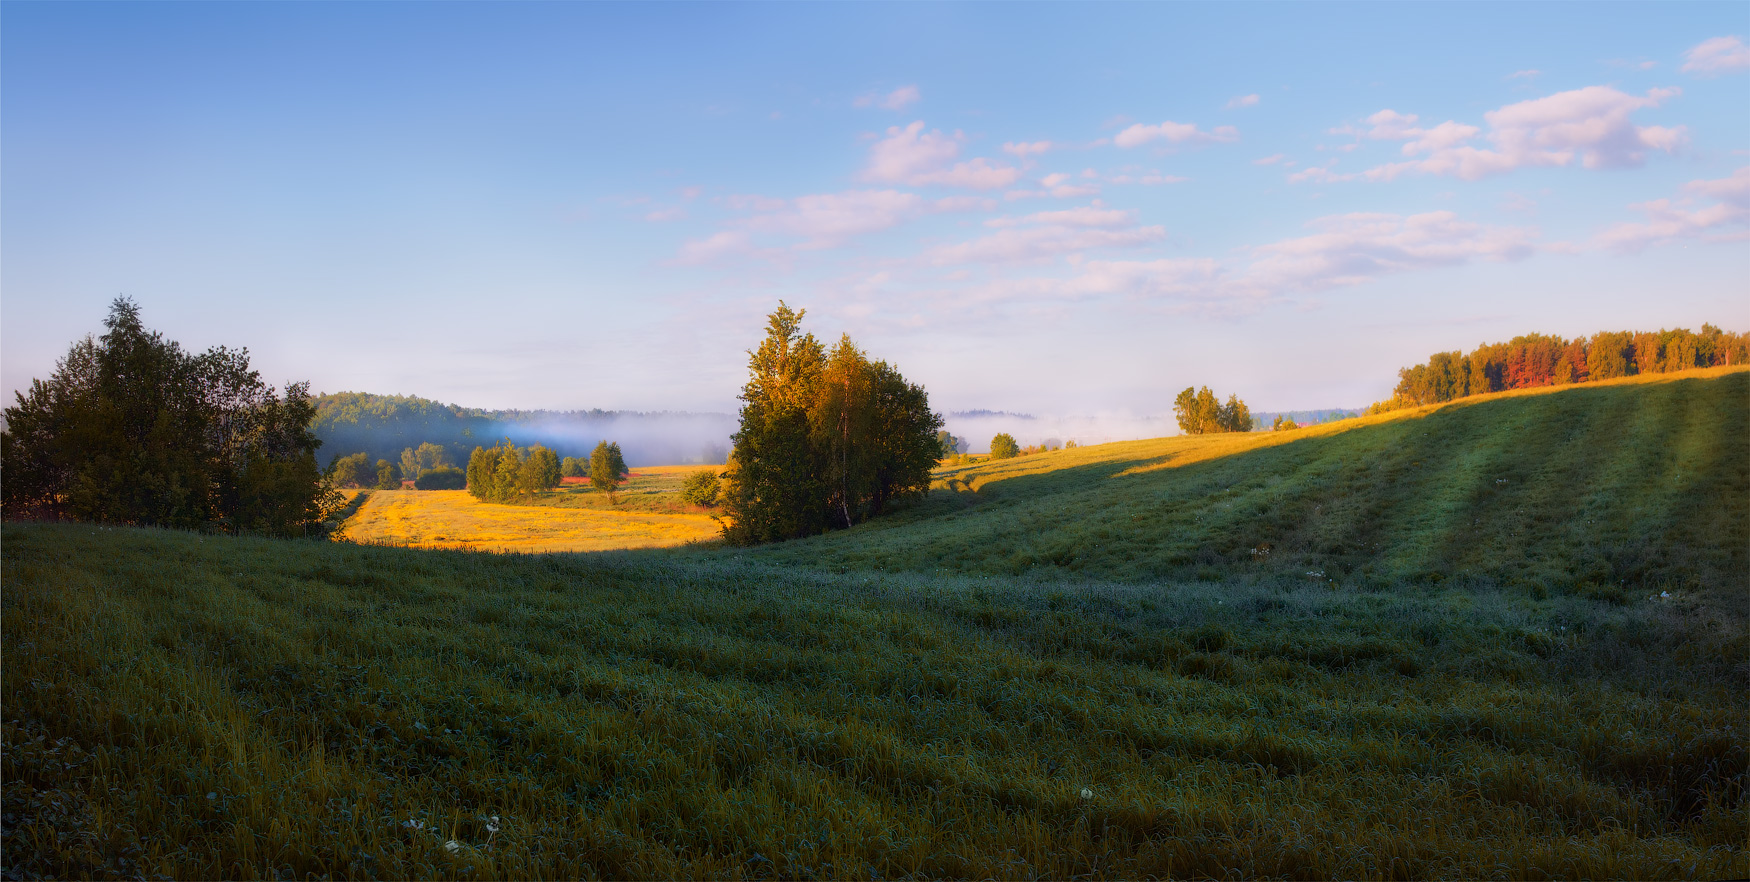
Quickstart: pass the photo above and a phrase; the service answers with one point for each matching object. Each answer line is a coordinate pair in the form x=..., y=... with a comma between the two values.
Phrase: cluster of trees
x=1201, y=413
x=131, y=429
x=1003, y=446
x=827, y=439
x=505, y=472
x=1542, y=360
x=952, y=445
x=428, y=466
x=1284, y=423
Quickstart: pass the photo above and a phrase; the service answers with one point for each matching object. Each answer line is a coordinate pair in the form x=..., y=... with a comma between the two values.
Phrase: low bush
x=441, y=479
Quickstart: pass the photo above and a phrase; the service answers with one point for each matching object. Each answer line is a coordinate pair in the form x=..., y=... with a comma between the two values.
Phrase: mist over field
x=646, y=438
x=978, y=427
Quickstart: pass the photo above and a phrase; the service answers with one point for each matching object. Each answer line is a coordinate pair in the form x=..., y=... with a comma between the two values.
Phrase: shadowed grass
x=206, y=707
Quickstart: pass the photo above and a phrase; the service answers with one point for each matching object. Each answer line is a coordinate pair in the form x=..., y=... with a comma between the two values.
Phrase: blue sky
x=1058, y=209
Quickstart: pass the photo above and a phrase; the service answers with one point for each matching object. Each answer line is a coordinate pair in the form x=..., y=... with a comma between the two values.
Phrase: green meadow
x=1501, y=638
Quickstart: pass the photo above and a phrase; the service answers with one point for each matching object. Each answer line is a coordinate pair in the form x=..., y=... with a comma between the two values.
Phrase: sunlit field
x=455, y=519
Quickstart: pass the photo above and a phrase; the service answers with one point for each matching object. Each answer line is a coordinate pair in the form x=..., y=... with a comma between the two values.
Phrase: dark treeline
x=132, y=429
x=383, y=426
x=506, y=472
x=1541, y=360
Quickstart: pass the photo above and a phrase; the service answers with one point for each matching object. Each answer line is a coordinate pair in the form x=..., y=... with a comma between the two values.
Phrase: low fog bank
x=645, y=439
x=978, y=427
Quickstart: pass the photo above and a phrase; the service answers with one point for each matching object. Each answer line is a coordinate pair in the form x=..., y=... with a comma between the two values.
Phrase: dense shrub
x=445, y=478
x=1003, y=446
x=700, y=488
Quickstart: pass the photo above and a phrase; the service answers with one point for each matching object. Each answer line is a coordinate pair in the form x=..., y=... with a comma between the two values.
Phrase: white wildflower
x=1087, y=794
x=452, y=846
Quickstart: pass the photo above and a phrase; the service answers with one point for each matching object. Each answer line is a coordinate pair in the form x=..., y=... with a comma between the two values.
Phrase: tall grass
x=201, y=707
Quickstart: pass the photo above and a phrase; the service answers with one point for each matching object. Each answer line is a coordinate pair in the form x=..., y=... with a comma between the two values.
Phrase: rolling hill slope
x=1614, y=490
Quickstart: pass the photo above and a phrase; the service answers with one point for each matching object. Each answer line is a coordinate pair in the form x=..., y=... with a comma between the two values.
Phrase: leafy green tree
x=388, y=475
x=700, y=488
x=950, y=443
x=774, y=487
x=540, y=470
x=132, y=429
x=428, y=456
x=826, y=439
x=354, y=470
x=1200, y=413
x=483, y=473
x=573, y=467
x=1284, y=423
x=441, y=478
x=1003, y=446
x=607, y=468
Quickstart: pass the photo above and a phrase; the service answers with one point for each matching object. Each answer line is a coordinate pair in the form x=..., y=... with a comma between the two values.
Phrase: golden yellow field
x=454, y=519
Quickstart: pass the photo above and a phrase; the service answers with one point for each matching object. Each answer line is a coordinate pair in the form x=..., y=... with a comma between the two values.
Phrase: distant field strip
x=454, y=519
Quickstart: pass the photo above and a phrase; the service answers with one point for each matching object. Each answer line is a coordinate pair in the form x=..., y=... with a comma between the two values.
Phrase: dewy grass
x=1503, y=638
x=203, y=707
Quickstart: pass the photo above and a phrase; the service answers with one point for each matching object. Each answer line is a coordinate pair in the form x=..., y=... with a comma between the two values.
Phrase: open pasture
x=455, y=519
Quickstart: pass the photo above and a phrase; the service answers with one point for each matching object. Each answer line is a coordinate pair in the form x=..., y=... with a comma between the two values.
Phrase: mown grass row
x=204, y=707
x=1615, y=491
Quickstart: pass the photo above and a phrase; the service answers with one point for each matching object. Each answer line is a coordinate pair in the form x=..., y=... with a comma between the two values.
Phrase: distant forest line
x=382, y=426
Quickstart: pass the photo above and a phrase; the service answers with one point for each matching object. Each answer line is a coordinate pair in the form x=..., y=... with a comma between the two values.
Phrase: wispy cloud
x=1528, y=74
x=1709, y=210
x=1589, y=126
x=1271, y=159
x=1174, y=133
x=1027, y=148
x=897, y=99
x=1717, y=56
x=1242, y=101
x=914, y=157
x=661, y=215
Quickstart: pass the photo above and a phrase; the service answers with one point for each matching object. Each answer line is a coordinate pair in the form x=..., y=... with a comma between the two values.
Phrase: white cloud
x=666, y=214
x=1048, y=233
x=1689, y=216
x=1590, y=126
x=1174, y=133
x=894, y=100
x=918, y=158
x=1525, y=74
x=1242, y=101
x=823, y=220
x=1348, y=249
x=1152, y=180
x=716, y=246
x=1717, y=56
x=1095, y=215
x=1270, y=160
x=1027, y=148
x=1033, y=243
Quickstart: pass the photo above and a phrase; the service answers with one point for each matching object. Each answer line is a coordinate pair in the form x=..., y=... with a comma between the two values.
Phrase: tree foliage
x=1003, y=446
x=131, y=429
x=441, y=478
x=388, y=475
x=574, y=467
x=1200, y=413
x=827, y=439
x=607, y=468
x=1536, y=360
x=352, y=471
x=701, y=488
x=507, y=472
x=418, y=461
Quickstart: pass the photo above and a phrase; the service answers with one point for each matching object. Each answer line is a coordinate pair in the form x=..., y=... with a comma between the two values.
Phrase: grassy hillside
x=1522, y=656
x=247, y=708
x=1614, y=490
